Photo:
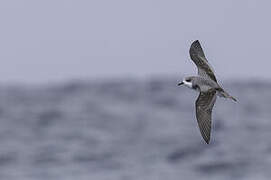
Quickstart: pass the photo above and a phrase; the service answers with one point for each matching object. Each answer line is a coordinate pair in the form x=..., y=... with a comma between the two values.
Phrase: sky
x=56, y=40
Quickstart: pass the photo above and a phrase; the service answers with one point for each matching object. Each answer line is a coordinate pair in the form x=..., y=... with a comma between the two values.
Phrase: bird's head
x=187, y=81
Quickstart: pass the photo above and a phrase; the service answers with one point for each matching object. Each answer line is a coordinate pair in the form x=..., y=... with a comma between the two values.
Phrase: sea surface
x=132, y=129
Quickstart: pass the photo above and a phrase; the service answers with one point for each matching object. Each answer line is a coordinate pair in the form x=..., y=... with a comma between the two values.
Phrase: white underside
x=203, y=88
x=187, y=84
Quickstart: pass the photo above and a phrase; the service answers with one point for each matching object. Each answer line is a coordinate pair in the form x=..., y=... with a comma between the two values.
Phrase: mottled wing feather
x=204, y=106
x=198, y=57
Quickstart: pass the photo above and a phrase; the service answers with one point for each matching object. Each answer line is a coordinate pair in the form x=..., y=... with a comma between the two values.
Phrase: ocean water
x=132, y=129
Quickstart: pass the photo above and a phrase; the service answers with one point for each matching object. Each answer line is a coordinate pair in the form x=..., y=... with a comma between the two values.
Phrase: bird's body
x=200, y=84
x=205, y=83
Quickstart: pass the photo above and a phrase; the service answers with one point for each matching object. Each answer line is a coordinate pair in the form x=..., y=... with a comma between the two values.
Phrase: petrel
x=207, y=86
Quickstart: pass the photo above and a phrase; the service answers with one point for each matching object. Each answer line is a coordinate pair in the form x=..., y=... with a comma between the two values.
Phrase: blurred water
x=132, y=129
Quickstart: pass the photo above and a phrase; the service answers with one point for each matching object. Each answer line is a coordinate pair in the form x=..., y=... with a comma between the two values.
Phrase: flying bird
x=207, y=86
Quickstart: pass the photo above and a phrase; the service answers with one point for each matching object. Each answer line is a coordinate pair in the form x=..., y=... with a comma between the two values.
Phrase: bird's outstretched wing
x=198, y=57
x=204, y=106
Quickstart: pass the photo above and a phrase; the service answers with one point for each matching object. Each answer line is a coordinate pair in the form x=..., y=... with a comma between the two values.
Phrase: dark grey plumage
x=198, y=57
x=204, y=107
x=206, y=83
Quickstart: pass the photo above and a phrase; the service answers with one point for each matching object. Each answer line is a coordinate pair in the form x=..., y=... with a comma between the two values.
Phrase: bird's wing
x=204, y=106
x=198, y=57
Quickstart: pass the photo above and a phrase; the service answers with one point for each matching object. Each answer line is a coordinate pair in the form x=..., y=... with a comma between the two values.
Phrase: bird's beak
x=180, y=83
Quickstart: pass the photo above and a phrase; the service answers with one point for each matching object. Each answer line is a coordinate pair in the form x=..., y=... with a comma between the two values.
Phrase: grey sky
x=54, y=40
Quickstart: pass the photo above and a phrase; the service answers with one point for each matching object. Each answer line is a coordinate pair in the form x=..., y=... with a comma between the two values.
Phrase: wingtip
x=196, y=42
x=196, y=49
x=206, y=138
x=207, y=141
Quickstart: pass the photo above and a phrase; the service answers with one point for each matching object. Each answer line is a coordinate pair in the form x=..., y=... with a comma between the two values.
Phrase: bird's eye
x=188, y=80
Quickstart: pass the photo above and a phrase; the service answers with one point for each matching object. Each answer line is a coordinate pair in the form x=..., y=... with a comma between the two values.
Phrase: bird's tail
x=226, y=95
